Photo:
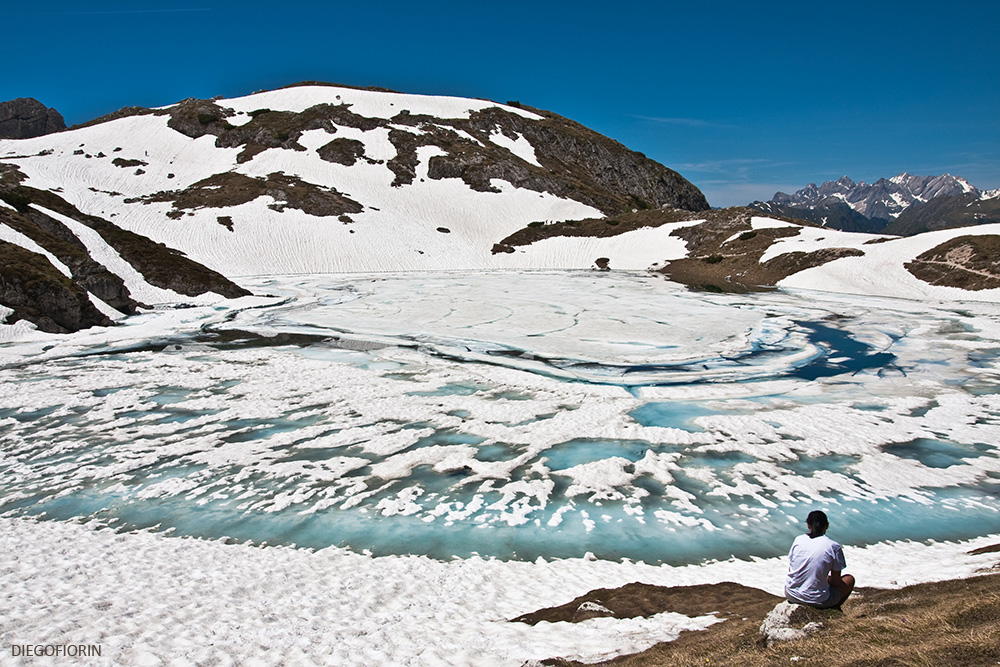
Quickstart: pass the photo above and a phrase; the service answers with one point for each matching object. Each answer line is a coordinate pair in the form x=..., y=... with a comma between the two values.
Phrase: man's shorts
x=831, y=601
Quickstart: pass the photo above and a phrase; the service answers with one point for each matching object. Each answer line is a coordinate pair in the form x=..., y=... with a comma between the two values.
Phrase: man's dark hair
x=817, y=523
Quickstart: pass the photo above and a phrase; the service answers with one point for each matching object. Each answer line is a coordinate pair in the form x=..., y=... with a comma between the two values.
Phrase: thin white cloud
x=723, y=166
x=727, y=193
x=686, y=122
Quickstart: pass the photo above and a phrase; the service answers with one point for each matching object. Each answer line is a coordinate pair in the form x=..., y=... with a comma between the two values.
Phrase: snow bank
x=146, y=598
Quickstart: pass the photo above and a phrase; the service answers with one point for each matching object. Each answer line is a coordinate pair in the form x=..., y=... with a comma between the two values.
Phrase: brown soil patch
x=967, y=262
x=233, y=189
x=724, y=250
x=644, y=600
x=342, y=151
x=39, y=293
x=945, y=623
x=992, y=549
x=725, y=253
x=124, y=164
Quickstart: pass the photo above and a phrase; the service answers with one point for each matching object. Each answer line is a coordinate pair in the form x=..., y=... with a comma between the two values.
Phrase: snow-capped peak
x=884, y=199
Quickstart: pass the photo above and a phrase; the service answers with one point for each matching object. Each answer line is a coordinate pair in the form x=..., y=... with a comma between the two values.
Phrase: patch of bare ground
x=644, y=600
x=342, y=151
x=233, y=189
x=967, y=262
x=954, y=623
x=991, y=549
x=724, y=254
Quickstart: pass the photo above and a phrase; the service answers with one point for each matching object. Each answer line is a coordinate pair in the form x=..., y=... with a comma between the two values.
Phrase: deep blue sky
x=743, y=98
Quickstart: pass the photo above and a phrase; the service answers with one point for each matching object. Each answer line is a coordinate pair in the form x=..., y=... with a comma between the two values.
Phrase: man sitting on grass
x=815, y=563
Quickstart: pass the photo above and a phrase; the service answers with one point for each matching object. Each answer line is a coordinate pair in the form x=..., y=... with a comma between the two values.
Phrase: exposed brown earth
x=638, y=600
x=233, y=189
x=967, y=262
x=39, y=293
x=953, y=622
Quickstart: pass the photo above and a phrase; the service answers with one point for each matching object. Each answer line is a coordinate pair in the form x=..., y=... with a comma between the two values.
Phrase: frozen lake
x=515, y=415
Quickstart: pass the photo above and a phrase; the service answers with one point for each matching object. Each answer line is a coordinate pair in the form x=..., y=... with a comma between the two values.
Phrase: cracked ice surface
x=514, y=415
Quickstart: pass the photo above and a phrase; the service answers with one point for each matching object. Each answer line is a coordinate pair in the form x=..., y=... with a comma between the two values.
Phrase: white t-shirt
x=810, y=561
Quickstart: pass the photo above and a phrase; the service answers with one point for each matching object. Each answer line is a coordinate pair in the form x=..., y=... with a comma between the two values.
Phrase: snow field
x=148, y=599
x=368, y=103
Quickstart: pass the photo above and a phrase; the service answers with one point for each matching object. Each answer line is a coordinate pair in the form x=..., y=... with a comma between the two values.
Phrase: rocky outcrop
x=789, y=622
x=39, y=293
x=26, y=117
x=590, y=167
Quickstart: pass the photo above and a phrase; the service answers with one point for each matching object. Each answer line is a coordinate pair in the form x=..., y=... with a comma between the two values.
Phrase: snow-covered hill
x=158, y=205
x=306, y=179
x=321, y=178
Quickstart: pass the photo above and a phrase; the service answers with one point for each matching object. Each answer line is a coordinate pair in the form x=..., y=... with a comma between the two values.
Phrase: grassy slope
x=953, y=622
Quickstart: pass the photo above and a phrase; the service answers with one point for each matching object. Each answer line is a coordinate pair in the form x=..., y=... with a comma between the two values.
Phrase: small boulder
x=591, y=609
x=787, y=622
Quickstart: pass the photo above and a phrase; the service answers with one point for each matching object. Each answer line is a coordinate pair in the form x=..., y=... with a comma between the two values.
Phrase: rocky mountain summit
x=26, y=117
x=903, y=205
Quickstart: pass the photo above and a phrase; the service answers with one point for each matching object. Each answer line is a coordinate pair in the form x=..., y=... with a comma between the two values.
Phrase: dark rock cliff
x=39, y=293
x=26, y=117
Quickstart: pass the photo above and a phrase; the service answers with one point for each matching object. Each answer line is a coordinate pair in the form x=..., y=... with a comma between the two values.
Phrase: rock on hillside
x=26, y=117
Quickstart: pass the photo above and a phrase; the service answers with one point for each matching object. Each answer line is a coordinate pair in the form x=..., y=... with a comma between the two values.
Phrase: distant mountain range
x=903, y=205
x=177, y=204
